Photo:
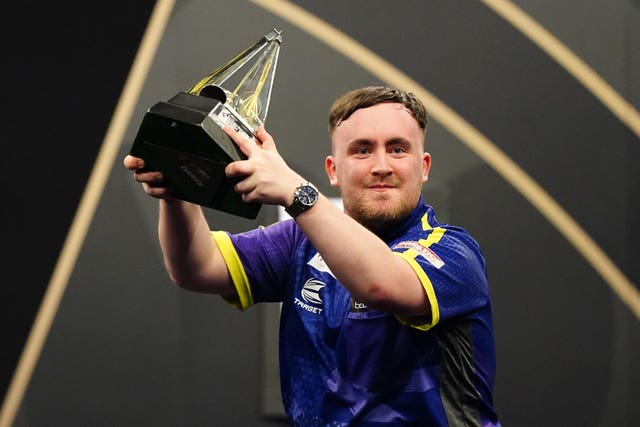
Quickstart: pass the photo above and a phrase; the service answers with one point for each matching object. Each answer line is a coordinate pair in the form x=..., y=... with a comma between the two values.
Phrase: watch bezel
x=305, y=192
x=302, y=200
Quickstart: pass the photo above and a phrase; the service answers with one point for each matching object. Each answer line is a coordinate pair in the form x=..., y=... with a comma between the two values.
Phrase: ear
x=330, y=169
x=426, y=166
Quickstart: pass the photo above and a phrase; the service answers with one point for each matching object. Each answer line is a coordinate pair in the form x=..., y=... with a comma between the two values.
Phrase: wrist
x=304, y=198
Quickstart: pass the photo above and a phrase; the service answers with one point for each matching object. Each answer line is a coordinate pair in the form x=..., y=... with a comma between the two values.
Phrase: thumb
x=132, y=163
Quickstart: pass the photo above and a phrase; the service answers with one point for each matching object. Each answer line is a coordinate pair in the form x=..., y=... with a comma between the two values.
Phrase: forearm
x=358, y=258
x=190, y=254
x=362, y=262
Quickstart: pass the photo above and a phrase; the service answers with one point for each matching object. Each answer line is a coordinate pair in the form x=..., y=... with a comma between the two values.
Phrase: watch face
x=307, y=195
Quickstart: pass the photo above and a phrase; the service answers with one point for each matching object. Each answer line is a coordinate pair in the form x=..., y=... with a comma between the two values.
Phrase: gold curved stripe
x=476, y=141
x=546, y=41
x=86, y=210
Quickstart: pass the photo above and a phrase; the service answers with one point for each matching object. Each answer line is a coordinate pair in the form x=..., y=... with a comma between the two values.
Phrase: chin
x=378, y=217
x=381, y=210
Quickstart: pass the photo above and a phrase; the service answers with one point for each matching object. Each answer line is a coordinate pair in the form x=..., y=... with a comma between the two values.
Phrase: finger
x=158, y=192
x=238, y=168
x=246, y=198
x=243, y=143
x=265, y=139
x=245, y=185
x=148, y=177
x=132, y=163
x=249, y=196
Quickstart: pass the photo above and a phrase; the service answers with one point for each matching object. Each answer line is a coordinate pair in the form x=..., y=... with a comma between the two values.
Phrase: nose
x=381, y=166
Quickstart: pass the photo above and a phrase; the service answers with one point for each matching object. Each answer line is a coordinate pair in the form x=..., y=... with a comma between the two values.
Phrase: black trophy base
x=178, y=139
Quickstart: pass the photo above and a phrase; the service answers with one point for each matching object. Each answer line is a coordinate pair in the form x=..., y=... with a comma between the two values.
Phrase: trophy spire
x=251, y=97
x=249, y=101
x=223, y=72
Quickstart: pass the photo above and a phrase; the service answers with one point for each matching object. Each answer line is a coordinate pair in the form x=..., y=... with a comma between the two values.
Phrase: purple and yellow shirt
x=342, y=363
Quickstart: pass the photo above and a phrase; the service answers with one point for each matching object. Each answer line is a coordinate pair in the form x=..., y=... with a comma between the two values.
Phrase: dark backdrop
x=64, y=68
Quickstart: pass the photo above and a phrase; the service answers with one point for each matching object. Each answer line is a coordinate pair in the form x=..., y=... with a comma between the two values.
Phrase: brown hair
x=369, y=96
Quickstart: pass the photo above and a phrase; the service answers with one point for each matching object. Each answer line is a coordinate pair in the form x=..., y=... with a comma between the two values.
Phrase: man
x=386, y=317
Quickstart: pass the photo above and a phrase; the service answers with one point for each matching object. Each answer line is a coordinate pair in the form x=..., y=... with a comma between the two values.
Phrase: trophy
x=183, y=137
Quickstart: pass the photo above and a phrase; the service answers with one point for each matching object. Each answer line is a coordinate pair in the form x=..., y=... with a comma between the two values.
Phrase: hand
x=268, y=179
x=152, y=181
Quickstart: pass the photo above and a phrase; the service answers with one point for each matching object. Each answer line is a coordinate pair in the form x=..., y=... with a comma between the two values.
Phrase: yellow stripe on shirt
x=425, y=222
x=422, y=323
x=409, y=255
x=244, y=299
x=434, y=237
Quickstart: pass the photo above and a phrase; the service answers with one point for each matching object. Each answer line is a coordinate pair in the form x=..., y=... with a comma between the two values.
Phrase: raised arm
x=359, y=259
x=190, y=255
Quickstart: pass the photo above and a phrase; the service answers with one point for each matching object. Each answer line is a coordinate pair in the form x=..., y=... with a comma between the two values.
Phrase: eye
x=398, y=149
x=361, y=151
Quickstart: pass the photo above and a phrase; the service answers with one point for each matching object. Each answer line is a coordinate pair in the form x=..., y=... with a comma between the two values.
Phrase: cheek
x=348, y=174
x=351, y=174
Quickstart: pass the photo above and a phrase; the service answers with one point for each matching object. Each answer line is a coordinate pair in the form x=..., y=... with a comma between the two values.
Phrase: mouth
x=380, y=187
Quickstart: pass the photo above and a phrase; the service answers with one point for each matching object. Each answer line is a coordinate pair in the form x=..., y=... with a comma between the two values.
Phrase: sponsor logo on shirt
x=311, y=297
x=318, y=263
x=357, y=307
x=423, y=251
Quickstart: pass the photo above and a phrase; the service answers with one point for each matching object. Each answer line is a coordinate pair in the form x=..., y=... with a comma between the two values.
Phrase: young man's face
x=379, y=164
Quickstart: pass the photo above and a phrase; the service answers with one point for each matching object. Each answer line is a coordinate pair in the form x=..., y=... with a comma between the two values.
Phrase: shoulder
x=287, y=229
x=280, y=235
x=429, y=231
x=457, y=245
x=458, y=236
x=442, y=244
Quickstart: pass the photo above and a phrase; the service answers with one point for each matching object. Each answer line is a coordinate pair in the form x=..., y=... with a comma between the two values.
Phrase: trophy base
x=181, y=140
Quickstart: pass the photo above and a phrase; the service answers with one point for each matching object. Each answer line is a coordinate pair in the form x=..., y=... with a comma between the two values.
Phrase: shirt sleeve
x=258, y=262
x=451, y=268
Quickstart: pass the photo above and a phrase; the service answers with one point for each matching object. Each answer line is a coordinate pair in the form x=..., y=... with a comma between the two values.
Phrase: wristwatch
x=304, y=198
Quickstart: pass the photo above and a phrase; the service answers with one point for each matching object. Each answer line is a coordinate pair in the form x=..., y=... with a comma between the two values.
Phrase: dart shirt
x=342, y=363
